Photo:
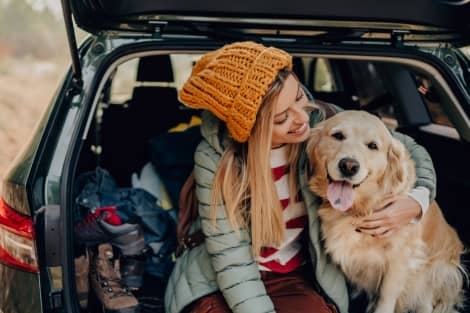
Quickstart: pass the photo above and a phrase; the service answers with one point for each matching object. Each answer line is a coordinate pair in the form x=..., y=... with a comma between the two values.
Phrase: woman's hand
x=392, y=213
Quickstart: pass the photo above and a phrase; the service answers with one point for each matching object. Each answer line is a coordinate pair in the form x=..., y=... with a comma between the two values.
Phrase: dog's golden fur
x=415, y=269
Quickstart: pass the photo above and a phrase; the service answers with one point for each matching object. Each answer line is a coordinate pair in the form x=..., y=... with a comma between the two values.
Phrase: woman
x=262, y=249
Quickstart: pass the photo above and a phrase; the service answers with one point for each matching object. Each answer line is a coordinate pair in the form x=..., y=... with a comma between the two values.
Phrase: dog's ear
x=397, y=175
x=310, y=149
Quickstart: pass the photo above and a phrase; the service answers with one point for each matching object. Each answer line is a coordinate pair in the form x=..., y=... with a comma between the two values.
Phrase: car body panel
x=20, y=291
x=421, y=16
x=19, y=173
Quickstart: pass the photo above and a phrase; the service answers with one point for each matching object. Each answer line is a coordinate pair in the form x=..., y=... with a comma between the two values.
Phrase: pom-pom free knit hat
x=232, y=81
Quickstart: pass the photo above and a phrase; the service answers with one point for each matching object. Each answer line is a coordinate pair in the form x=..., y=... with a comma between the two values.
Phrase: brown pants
x=289, y=292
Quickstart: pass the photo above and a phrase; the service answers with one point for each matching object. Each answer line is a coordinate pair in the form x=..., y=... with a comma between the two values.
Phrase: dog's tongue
x=341, y=195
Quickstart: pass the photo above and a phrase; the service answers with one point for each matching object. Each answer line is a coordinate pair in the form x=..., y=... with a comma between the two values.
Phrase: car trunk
x=128, y=127
x=130, y=99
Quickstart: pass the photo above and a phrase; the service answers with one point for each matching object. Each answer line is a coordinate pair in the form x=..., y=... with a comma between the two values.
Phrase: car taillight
x=17, y=245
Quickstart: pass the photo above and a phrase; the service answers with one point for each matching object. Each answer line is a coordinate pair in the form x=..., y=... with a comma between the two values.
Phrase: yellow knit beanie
x=232, y=81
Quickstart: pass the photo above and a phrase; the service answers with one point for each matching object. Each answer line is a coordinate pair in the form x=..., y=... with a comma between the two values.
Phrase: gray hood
x=214, y=131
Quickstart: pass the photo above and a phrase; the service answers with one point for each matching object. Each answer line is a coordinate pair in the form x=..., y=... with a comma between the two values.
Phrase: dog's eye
x=372, y=146
x=338, y=136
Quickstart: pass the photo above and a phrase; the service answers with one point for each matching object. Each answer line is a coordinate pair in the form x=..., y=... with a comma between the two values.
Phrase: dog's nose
x=348, y=167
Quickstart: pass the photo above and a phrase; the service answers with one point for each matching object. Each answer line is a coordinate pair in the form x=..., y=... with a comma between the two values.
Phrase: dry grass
x=26, y=88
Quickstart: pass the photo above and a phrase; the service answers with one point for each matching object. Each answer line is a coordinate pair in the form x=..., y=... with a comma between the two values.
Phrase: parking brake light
x=17, y=244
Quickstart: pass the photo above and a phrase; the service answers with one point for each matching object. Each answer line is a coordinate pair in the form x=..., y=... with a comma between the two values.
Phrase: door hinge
x=159, y=26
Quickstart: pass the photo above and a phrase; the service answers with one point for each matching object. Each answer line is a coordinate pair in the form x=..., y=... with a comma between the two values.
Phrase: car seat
x=153, y=108
x=344, y=95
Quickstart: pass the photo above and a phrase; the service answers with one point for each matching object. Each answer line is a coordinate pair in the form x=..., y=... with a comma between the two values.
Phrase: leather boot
x=106, y=283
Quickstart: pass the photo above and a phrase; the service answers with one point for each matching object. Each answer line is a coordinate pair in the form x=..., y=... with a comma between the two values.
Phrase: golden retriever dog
x=355, y=163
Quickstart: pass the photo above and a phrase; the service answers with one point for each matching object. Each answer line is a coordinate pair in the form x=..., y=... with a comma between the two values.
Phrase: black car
x=401, y=60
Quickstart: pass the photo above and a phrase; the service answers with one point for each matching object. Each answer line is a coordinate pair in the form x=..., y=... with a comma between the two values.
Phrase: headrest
x=155, y=68
x=298, y=68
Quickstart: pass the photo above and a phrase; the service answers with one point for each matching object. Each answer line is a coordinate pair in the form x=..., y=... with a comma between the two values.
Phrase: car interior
x=139, y=103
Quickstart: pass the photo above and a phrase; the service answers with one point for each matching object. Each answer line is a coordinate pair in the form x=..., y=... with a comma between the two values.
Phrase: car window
x=432, y=101
x=371, y=92
x=182, y=65
x=368, y=83
x=125, y=77
x=324, y=80
x=123, y=82
x=372, y=84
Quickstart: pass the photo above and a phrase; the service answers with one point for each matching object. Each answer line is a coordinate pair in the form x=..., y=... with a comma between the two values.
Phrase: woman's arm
x=238, y=276
x=395, y=212
x=425, y=173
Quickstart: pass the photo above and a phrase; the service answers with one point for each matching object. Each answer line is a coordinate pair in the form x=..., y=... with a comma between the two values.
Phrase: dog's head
x=355, y=162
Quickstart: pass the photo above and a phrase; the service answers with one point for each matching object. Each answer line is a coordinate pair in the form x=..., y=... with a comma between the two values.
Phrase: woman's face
x=290, y=114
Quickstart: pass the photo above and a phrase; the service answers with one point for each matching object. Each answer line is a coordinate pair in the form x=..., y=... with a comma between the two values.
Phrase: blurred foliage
x=28, y=32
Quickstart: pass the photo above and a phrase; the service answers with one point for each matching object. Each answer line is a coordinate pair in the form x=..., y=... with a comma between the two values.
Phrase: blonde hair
x=244, y=181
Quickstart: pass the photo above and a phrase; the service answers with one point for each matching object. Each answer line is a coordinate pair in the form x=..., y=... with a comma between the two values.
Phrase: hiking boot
x=106, y=284
x=82, y=265
x=104, y=225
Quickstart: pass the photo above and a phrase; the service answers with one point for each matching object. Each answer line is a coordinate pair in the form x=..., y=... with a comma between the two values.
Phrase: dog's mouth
x=354, y=186
x=340, y=193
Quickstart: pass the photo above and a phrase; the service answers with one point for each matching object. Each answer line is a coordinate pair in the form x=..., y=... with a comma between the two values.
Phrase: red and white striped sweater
x=290, y=254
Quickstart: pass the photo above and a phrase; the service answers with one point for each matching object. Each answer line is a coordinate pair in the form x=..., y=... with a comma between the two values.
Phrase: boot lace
x=111, y=285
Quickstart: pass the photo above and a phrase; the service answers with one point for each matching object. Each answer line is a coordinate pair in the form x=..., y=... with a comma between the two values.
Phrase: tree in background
x=31, y=28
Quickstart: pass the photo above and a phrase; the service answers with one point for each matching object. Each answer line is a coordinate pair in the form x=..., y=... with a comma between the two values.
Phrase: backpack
x=188, y=212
